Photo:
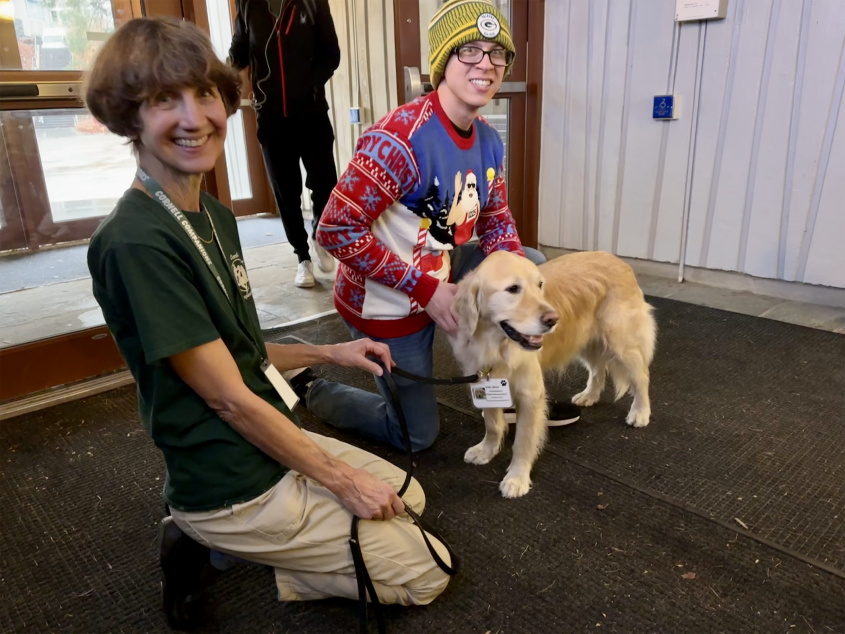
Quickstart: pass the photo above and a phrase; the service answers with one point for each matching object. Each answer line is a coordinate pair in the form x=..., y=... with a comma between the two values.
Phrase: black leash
x=365, y=584
x=458, y=380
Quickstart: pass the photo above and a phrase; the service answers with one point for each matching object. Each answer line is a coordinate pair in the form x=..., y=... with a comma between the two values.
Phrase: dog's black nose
x=549, y=319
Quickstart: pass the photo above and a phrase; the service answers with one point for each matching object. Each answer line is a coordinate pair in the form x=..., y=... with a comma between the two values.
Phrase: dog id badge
x=491, y=393
x=282, y=387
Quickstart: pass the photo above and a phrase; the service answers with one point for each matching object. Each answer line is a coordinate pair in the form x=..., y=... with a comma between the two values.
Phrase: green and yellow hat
x=460, y=22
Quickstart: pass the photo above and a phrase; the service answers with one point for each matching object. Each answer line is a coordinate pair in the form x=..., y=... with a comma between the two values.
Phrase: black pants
x=284, y=141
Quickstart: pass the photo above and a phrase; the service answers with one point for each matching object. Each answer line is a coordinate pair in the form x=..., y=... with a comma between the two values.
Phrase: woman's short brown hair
x=148, y=56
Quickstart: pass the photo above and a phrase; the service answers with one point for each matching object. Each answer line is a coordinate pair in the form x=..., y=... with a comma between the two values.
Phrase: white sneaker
x=304, y=275
x=324, y=260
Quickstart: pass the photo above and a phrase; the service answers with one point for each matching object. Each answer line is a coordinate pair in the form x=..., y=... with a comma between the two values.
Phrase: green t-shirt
x=159, y=298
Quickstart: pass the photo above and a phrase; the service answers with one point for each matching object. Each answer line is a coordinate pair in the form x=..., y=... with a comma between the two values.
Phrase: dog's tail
x=621, y=380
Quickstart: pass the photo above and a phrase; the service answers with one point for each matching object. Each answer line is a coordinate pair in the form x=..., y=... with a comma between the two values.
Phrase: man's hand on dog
x=440, y=307
x=354, y=355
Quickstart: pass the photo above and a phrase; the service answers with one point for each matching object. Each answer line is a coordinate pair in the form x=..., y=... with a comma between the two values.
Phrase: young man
x=422, y=181
x=291, y=48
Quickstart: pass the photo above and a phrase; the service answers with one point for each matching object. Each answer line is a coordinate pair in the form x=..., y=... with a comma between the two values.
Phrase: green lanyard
x=155, y=190
x=277, y=381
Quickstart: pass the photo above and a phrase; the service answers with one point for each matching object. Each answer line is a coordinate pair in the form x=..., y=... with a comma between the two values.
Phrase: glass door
x=507, y=112
x=60, y=173
x=63, y=173
x=53, y=153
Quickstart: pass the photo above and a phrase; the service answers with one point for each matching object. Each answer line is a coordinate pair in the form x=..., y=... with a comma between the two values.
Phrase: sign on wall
x=688, y=10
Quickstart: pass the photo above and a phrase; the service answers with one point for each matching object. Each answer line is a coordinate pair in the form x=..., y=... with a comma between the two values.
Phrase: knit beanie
x=460, y=22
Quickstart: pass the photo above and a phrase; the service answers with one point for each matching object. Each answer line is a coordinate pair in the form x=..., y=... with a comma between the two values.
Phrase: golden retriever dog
x=517, y=320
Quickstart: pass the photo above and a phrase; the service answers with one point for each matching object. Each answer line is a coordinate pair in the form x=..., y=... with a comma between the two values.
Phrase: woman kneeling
x=168, y=272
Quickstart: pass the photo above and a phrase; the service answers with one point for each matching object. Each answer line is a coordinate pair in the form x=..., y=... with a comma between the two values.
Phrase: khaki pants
x=301, y=529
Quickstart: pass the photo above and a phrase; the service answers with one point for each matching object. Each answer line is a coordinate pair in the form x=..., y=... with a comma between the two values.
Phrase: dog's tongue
x=534, y=340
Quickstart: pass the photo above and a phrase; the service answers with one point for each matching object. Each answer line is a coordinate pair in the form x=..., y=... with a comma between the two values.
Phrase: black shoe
x=182, y=562
x=560, y=413
x=300, y=380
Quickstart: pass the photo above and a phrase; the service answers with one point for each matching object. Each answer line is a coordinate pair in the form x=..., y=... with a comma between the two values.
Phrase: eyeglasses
x=474, y=55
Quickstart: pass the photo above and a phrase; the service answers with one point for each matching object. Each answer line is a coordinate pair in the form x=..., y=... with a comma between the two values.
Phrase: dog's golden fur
x=584, y=305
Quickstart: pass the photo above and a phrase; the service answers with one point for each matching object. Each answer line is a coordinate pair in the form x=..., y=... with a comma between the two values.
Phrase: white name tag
x=282, y=387
x=492, y=393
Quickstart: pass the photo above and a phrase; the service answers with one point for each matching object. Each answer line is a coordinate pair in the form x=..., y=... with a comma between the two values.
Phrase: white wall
x=367, y=73
x=765, y=165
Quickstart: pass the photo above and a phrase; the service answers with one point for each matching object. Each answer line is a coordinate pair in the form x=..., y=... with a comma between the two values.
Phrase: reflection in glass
x=86, y=167
x=54, y=34
x=44, y=292
x=62, y=172
x=497, y=113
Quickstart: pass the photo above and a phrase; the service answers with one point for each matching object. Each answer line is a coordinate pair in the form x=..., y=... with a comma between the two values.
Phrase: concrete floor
x=800, y=313
x=21, y=270
x=47, y=311
x=36, y=313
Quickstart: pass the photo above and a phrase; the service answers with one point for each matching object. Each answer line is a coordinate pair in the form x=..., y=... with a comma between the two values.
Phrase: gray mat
x=601, y=543
x=748, y=423
x=80, y=493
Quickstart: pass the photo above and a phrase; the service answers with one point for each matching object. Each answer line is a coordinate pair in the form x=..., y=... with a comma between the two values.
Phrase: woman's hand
x=368, y=497
x=354, y=355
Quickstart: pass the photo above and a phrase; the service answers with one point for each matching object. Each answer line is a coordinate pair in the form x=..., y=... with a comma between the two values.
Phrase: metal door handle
x=11, y=91
x=414, y=85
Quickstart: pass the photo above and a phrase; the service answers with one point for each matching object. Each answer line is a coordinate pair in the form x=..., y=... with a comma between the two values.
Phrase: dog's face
x=506, y=293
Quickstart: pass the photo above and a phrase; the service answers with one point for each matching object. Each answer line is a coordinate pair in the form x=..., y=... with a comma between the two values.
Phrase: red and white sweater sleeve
x=383, y=170
x=496, y=228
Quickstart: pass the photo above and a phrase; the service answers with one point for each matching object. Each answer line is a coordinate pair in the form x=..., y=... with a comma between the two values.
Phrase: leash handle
x=365, y=583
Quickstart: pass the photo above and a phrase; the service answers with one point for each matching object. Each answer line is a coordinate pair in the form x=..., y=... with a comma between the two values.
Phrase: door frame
x=262, y=200
x=526, y=108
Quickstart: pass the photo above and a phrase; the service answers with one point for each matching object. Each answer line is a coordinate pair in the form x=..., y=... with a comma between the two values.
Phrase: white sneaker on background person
x=324, y=260
x=304, y=275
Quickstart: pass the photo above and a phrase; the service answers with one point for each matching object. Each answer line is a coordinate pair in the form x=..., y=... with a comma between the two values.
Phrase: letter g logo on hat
x=488, y=25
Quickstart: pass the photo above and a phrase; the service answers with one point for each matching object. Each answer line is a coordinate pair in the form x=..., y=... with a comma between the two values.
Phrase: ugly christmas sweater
x=414, y=190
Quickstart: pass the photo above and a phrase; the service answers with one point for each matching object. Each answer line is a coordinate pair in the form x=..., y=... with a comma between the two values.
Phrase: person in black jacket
x=291, y=49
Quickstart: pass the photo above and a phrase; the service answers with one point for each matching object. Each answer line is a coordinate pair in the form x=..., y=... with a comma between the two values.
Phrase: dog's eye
x=541, y=284
x=514, y=289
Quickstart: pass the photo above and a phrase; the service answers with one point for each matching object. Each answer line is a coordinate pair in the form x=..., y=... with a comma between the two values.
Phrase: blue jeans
x=373, y=415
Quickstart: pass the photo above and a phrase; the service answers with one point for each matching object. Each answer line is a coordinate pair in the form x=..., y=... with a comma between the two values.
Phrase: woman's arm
x=352, y=354
x=212, y=373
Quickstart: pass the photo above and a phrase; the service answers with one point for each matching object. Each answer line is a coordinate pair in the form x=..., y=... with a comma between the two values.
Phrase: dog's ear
x=467, y=302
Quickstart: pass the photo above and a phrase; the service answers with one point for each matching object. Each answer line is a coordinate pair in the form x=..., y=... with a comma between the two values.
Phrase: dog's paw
x=515, y=486
x=637, y=419
x=479, y=454
x=585, y=399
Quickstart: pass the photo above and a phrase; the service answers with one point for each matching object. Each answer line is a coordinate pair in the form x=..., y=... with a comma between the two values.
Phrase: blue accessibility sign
x=664, y=107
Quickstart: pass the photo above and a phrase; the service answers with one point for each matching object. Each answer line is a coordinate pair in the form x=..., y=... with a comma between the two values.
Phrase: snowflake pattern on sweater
x=413, y=191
